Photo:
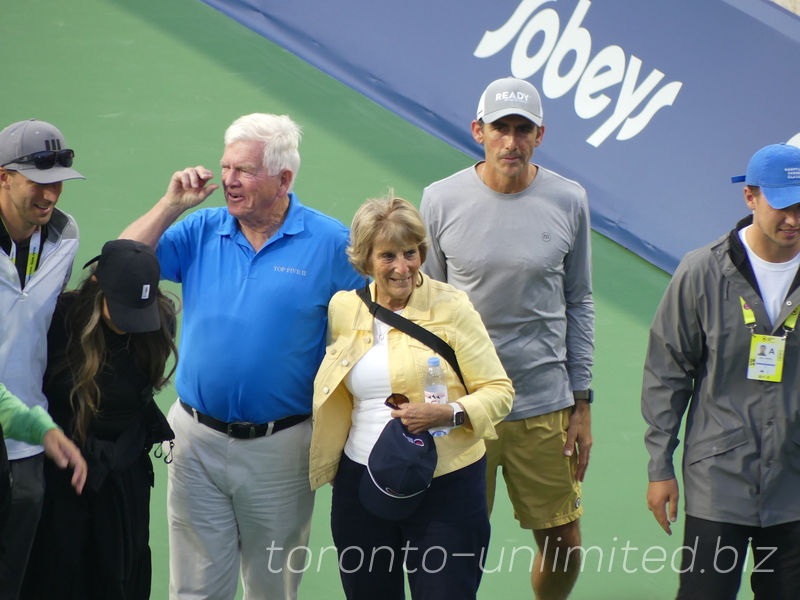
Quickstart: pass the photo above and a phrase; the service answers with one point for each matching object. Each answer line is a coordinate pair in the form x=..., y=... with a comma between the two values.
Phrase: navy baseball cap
x=776, y=170
x=399, y=470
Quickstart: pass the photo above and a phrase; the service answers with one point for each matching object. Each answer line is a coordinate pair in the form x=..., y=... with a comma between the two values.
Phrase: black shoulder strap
x=413, y=329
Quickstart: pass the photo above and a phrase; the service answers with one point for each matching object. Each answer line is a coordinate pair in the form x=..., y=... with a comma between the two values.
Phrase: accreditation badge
x=766, y=358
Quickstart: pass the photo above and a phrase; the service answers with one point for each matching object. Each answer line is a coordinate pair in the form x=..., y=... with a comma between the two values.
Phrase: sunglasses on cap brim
x=46, y=159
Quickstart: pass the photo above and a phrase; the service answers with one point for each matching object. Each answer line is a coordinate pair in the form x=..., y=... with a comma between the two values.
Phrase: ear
x=750, y=198
x=286, y=178
x=539, y=137
x=477, y=132
x=5, y=177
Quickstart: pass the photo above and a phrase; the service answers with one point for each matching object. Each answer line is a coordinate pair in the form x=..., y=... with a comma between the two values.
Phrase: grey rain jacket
x=741, y=460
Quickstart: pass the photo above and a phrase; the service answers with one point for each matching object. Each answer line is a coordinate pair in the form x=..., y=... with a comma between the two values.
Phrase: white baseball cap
x=510, y=96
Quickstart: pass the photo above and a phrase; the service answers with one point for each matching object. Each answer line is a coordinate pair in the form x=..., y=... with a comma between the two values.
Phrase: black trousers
x=22, y=519
x=715, y=555
x=442, y=544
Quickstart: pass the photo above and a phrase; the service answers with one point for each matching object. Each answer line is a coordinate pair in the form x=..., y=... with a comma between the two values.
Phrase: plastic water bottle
x=436, y=391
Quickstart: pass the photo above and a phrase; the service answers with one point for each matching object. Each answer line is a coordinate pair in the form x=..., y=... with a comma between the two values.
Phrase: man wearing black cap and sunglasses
x=38, y=243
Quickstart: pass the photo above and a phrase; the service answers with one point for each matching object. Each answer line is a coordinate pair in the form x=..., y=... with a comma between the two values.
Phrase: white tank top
x=369, y=383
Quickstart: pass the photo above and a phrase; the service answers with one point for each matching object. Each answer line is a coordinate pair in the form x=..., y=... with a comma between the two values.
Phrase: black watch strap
x=587, y=395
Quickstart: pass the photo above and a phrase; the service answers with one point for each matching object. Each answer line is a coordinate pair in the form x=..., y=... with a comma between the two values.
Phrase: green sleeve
x=20, y=422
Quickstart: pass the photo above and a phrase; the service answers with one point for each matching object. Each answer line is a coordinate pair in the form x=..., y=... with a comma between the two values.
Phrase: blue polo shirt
x=253, y=332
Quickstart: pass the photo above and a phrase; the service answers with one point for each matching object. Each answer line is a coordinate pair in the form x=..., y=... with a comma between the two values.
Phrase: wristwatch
x=458, y=414
x=587, y=395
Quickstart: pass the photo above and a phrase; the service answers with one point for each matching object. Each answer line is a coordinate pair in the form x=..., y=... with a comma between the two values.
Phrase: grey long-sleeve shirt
x=525, y=261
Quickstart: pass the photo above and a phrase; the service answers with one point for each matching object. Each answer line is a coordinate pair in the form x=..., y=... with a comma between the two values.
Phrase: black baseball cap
x=399, y=470
x=128, y=274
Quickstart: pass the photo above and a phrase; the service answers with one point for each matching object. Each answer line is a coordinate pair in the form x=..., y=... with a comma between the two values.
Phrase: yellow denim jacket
x=448, y=313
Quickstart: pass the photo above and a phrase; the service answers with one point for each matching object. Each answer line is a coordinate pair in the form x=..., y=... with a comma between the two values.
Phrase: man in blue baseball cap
x=38, y=243
x=723, y=345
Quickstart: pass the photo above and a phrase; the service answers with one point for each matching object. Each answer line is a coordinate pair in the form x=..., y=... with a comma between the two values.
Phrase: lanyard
x=33, y=252
x=750, y=318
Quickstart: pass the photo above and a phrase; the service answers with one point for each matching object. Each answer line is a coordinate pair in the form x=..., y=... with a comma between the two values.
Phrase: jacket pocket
x=716, y=445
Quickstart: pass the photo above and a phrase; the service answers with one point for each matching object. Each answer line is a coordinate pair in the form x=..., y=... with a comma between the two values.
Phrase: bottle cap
x=433, y=361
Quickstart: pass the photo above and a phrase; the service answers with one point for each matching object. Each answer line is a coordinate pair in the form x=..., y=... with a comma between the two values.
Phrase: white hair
x=281, y=137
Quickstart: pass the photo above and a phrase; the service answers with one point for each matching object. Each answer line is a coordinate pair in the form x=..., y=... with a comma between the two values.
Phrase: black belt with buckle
x=244, y=431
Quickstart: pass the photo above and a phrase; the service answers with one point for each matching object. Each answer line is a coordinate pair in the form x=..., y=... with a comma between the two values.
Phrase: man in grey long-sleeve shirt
x=516, y=237
x=741, y=465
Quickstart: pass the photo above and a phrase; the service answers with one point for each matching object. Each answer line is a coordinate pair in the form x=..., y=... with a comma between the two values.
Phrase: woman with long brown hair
x=108, y=348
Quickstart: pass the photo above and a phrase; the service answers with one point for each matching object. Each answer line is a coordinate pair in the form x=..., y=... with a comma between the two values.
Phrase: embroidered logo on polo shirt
x=291, y=270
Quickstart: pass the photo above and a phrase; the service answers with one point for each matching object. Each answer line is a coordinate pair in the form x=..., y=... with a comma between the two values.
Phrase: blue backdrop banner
x=651, y=106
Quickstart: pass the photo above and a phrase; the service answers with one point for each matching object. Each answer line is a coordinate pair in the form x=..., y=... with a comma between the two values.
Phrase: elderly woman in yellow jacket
x=443, y=540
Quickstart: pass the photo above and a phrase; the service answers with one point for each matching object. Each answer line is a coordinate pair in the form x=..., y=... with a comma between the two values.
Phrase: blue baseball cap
x=399, y=470
x=776, y=170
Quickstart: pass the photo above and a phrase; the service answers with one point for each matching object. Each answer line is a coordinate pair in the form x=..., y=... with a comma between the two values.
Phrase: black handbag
x=416, y=331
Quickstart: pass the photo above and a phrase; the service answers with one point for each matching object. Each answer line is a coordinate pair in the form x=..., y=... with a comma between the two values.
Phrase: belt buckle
x=239, y=430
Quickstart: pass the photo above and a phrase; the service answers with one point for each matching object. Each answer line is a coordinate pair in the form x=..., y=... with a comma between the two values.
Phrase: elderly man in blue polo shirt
x=257, y=277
